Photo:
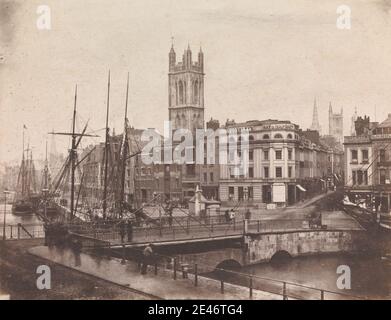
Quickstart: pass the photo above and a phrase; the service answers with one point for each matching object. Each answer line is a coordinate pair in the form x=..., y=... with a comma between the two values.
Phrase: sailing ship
x=26, y=198
x=47, y=207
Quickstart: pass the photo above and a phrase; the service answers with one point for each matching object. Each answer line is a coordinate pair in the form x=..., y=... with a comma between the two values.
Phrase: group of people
x=126, y=228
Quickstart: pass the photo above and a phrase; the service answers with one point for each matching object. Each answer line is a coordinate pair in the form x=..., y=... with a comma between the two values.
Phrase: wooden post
x=11, y=232
x=321, y=295
x=195, y=275
x=18, y=231
x=251, y=287
x=123, y=254
x=175, y=264
x=222, y=287
x=155, y=269
x=284, y=296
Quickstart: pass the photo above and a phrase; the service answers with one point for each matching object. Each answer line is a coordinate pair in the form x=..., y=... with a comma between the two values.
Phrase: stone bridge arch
x=229, y=264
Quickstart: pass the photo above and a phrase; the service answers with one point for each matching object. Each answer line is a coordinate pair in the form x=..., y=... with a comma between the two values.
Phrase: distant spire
x=353, y=123
x=315, y=119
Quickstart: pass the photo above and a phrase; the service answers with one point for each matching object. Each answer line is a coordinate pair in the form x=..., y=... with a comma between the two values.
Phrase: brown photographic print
x=205, y=150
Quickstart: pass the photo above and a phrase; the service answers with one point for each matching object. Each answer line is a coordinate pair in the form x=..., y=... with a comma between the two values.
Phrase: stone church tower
x=336, y=124
x=186, y=91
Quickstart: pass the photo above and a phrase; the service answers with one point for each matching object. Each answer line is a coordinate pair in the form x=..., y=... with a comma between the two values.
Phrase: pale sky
x=263, y=59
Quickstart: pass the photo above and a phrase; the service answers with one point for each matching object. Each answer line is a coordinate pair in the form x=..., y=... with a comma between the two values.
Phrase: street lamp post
x=45, y=193
x=5, y=212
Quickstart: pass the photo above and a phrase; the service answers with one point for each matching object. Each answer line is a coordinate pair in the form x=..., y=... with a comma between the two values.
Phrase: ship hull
x=22, y=208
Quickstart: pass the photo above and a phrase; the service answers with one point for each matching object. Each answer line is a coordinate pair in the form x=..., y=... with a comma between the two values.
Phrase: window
x=364, y=156
x=240, y=193
x=366, y=177
x=211, y=176
x=190, y=169
x=205, y=177
x=278, y=172
x=251, y=155
x=359, y=177
x=266, y=172
x=289, y=154
x=382, y=155
x=354, y=179
x=278, y=154
x=266, y=154
x=250, y=193
x=231, y=192
x=289, y=172
x=278, y=136
x=289, y=136
x=354, y=155
x=382, y=173
x=251, y=138
x=251, y=172
x=266, y=137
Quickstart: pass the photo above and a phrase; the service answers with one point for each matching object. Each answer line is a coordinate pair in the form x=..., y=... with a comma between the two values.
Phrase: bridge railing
x=117, y=234
x=151, y=233
x=235, y=283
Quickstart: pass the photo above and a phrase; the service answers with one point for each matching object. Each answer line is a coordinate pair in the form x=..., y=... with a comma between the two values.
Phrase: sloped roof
x=386, y=123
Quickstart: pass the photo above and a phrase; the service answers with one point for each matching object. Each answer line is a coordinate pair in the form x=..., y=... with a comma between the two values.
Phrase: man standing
x=147, y=258
x=129, y=230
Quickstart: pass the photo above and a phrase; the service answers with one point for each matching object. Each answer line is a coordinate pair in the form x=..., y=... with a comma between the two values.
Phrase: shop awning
x=301, y=188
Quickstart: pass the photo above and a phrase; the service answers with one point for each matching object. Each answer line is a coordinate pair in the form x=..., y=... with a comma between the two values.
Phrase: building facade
x=284, y=166
x=368, y=165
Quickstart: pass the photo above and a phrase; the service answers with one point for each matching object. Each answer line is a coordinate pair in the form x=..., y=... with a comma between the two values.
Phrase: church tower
x=336, y=124
x=186, y=91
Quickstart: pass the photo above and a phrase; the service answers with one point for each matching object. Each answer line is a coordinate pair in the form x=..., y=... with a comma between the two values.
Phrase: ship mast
x=73, y=157
x=124, y=150
x=106, y=149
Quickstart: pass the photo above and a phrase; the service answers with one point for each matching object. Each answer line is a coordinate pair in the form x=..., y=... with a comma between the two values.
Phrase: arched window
x=265, y=137
x=185, y=93
x=176, y=93
x=278, y=136
x=195, y=92
x=181, y=91
x=289, y=136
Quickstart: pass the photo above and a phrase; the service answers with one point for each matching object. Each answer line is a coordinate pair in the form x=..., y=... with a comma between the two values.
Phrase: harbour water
x=370, y=274
x=11, y=221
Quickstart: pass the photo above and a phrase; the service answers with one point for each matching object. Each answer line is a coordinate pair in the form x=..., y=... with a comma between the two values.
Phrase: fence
x=22, y=231
x=241, y=285
x=117, y=234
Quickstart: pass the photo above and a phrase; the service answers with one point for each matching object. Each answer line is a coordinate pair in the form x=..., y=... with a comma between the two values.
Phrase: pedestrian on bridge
x=122, y=230
x=247, y=214
x=129, y=229
x=227, y=215
x=147, y=258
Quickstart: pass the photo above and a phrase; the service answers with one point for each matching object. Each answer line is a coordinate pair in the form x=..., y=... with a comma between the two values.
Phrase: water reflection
x=370, y=275
x=15, y=219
